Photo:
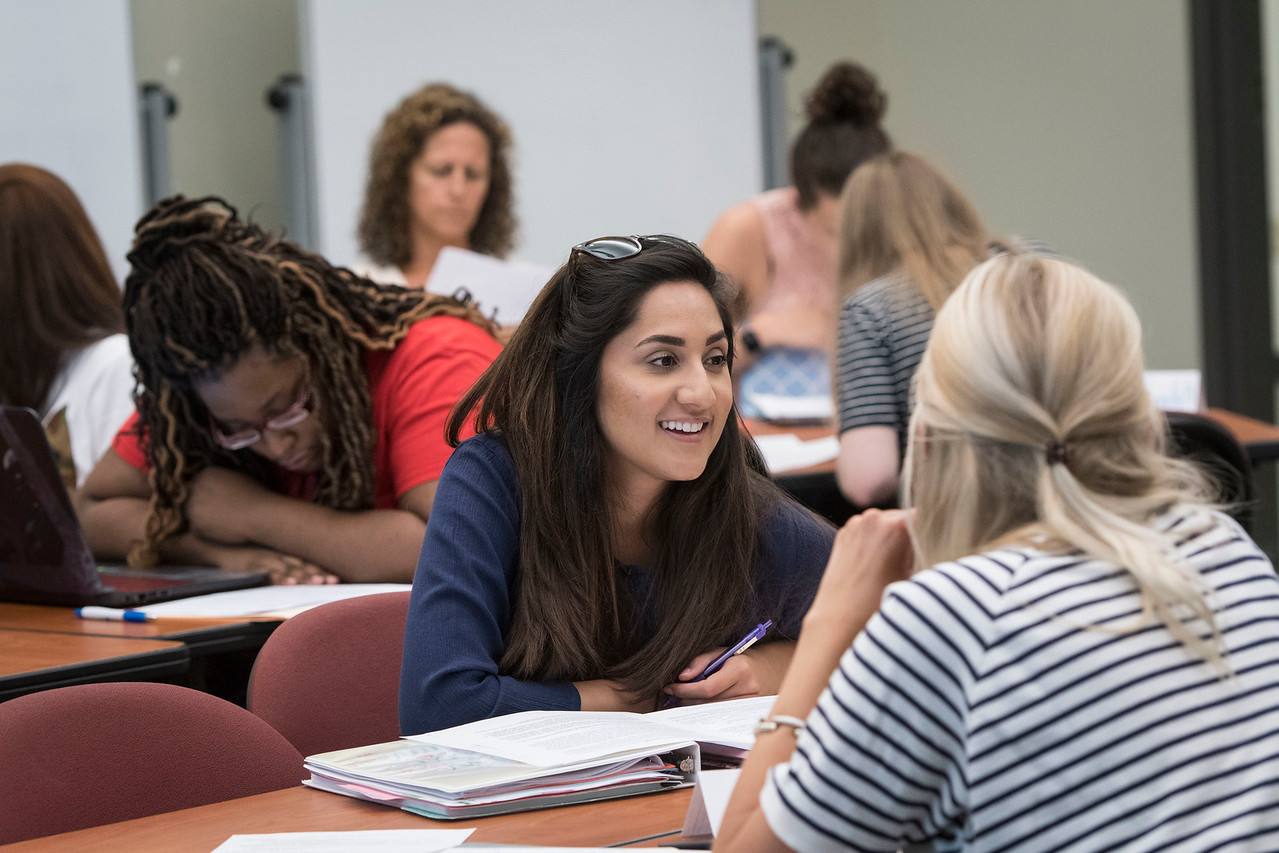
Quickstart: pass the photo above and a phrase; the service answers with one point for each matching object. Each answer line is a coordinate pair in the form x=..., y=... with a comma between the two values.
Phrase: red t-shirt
x=413, y=388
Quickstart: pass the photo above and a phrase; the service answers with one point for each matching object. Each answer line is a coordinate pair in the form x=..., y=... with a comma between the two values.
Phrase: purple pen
x=737, y=648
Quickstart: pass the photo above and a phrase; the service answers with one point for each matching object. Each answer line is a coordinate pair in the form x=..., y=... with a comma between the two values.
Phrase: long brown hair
x=56, y=286
x=204, y=288
x=385, y=229
x=898, y=213
x=573, y=617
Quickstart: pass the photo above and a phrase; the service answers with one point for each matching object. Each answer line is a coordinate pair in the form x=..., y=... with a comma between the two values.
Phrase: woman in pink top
x=780, y=246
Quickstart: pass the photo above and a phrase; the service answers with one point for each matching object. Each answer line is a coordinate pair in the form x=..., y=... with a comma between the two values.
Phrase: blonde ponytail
x=1032, y=426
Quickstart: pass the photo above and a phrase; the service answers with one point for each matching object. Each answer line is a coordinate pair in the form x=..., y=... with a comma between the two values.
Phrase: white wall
x=68, y=104
x=627, y=118
x=1067, y=121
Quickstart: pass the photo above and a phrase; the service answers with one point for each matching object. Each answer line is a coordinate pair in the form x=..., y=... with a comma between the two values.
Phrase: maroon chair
x=75, y=757
x=329, y=678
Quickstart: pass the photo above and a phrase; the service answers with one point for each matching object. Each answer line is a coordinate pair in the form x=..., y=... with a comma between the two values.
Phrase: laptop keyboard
x=133, y=583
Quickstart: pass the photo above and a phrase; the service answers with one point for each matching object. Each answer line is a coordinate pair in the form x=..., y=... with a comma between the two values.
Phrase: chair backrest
x=1219, y=454
x=329, y=678
x=82, y=756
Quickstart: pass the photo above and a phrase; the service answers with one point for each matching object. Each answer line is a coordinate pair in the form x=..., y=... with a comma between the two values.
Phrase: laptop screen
x=41, y=544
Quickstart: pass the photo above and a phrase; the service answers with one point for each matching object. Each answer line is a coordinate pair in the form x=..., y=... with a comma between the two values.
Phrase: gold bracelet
x=773, y=723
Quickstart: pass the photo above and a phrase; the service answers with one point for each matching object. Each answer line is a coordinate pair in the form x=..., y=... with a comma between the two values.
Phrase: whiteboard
x=68, y=104
x=627, y=117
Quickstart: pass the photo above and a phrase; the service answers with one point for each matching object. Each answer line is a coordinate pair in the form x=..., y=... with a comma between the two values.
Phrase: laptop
x=44, y=556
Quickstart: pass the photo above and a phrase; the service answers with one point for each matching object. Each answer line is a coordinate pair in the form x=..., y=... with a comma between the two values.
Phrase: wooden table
x=201, y=636
x=220, y=651
x=31, y=660
x=1260, y=440
x=199, y=830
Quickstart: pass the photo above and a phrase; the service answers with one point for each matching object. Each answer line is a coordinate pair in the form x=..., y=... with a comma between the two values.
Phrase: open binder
x=538, y=759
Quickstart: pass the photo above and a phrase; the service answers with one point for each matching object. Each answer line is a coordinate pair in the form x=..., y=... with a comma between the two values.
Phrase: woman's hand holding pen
x=756, y=672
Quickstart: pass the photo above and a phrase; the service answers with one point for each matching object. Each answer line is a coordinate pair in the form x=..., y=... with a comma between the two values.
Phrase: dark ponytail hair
x=844, y=112
x=573, y=618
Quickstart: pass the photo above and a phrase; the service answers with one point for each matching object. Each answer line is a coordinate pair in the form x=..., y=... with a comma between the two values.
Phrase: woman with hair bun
x=1089, y=661
x=439, y=175
x=780, y=247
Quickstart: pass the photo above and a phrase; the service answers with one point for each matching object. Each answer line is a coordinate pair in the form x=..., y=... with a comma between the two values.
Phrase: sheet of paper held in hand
x=507, y=287
x=373, y=841
x=282, y=601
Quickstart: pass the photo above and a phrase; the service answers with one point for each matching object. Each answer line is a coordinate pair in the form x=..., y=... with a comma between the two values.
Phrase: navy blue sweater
x=463, y=593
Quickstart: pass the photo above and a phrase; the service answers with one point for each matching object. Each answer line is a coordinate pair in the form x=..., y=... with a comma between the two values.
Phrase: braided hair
x=203, y=288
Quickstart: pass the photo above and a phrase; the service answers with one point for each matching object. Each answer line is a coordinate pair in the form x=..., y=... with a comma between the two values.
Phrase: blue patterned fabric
x=784, y=372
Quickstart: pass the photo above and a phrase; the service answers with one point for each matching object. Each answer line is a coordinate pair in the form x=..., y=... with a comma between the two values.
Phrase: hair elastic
x=1060, y=453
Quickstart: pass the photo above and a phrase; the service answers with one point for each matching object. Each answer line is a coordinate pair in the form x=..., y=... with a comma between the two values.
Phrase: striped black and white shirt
x=978, y=711
x=883, y=330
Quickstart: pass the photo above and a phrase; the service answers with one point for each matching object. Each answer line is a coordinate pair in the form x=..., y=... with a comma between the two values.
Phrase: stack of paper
x=538, y=759
x=524, y=761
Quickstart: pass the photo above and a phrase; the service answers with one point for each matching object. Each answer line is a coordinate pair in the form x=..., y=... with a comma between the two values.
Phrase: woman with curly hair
x=780, y=247
x=290, y=414
x=439, y=175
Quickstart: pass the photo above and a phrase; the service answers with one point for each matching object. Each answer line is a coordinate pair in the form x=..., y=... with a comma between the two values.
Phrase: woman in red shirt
x=290, y=414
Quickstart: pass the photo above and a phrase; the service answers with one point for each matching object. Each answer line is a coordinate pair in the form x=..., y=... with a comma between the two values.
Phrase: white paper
x=553, y=738
x=268, y=600
x=786, y=452
x=710, y=801
x=509, y=287
x=808, y=407
x=373, y=841
x=1175, y=390
x=730, y=723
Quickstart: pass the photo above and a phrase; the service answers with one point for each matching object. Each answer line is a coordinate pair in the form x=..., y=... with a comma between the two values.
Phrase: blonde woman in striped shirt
x=1090, y=662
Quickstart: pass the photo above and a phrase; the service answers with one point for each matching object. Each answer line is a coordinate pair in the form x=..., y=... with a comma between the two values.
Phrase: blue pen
x=111, y=614
x=740, y=646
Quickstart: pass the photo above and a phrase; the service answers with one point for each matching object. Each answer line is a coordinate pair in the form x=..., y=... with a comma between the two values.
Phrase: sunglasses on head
x=609, y=248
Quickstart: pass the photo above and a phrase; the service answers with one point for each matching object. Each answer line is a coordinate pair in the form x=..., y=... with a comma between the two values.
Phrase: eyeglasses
x=609, y=248
x=292, y=416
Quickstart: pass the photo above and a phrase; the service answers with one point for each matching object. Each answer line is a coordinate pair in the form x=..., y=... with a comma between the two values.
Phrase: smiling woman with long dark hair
x=611, y=528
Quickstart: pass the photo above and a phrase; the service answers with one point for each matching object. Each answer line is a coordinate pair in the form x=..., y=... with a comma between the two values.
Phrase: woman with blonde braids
x=1090, y=662
x=290, y=414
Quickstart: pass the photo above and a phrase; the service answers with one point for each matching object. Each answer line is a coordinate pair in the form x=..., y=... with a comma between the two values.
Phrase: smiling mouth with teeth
x=683, y=426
